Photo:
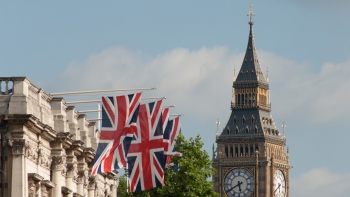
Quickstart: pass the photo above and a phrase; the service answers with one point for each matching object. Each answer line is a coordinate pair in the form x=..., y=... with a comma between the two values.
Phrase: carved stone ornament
x=17, y=146
x=43, y=158
x=108, y=191
x=31, y=151
x=92, y=182
x=44, y=192
x=59, y=163
x=72, y=171
x=99, y=190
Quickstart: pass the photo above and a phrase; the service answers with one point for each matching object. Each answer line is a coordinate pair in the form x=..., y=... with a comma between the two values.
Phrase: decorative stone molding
x=17, y=146
x=59, y=163
x=66, y=191
x=77, y=195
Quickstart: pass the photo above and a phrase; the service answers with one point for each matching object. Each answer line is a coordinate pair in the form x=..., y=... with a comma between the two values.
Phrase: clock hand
x=238, y=184
x=279, y=185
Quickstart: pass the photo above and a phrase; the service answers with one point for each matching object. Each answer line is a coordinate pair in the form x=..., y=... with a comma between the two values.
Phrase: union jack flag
x=119, y=116
x=172, y=129
x=146, y=152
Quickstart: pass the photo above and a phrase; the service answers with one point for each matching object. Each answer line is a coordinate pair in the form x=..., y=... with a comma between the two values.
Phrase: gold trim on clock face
x=279, y=184
x=239, y=182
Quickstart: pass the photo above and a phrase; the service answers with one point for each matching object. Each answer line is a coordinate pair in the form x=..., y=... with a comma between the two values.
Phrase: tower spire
x=250, y=71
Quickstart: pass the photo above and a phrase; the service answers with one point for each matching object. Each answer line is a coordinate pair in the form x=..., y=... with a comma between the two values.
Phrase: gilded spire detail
x=251, y=14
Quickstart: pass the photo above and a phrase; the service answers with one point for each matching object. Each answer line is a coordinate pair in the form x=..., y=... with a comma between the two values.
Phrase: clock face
x=238, y=182
x=279, y=184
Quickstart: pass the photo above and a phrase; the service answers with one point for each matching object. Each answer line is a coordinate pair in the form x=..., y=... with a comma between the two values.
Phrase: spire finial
x=251, y=14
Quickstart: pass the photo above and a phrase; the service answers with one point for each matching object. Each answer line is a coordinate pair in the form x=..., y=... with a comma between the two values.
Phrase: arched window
x=246, y=150
x=228, y=130
x=236, y=151
x=243, y=120
x=231, y=151
x=242, y=99
x=234, y=120
x=226, y=151
x=241, y=151
x=246, y=130
x=252, y=120
x=251, y=150
x=239, y=99
x=236, y=129
x=256, y=129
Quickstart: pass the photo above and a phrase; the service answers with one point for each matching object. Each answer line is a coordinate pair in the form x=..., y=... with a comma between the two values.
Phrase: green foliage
x=192, y=178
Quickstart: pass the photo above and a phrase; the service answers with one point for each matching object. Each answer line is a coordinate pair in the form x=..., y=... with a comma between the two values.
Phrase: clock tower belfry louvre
x=250, y=157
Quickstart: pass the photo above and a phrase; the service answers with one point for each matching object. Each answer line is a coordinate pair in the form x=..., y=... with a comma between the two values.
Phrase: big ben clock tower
x=250, y=159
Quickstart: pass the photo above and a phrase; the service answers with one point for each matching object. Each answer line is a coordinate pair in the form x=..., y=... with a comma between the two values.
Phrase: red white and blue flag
x=146, y=152
x=119, y=117
x=171, y=131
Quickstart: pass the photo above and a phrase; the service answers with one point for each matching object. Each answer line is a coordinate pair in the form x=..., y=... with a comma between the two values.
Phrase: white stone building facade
x=47, y=148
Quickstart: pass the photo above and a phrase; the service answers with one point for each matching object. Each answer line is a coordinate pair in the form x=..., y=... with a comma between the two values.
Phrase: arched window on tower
x=252, y=120
x=246, y=130
x=231, y=151
x=236, y=130
x=226, y=151
x=246, y=150
x=228, y=130
x=251, y=150
x=254, y=98
x=256, y=147
x=236, y=151
x=241, y=151
x=242, y=99
x=243, y=120
x=239, y=99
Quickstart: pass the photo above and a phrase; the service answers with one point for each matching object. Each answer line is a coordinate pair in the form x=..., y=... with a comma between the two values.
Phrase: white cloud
x=320, y=182
x=199, y=82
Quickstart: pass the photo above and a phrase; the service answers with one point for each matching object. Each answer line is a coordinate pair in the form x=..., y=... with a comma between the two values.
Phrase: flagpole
x=96, y=101
x=99, y=91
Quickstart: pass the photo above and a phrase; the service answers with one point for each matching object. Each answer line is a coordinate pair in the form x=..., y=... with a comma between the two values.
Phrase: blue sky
x=188, y=49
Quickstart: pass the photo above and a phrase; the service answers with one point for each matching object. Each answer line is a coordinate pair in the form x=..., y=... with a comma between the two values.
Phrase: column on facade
x=19, y=175
x=72, y=171
x=58, y=164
